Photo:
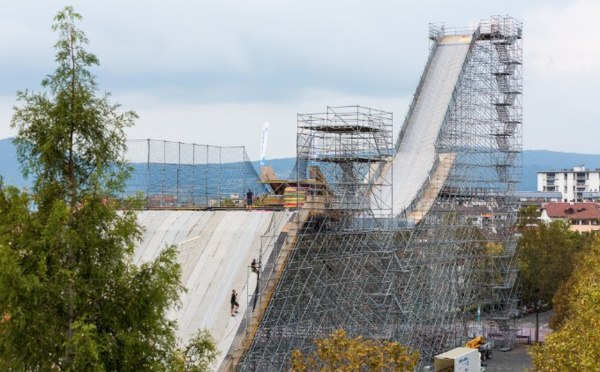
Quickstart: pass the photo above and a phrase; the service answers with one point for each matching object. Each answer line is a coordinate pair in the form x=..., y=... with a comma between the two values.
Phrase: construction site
x=400, y=239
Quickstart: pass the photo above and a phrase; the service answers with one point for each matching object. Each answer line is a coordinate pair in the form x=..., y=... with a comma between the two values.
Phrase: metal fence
x=175, y=174
x=521, y=332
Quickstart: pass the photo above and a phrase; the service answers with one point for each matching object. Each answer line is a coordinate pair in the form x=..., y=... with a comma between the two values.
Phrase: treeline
x=71, y=299
x=560, y=268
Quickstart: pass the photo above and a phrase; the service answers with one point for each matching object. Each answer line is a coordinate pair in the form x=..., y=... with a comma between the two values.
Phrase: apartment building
x=572, y=184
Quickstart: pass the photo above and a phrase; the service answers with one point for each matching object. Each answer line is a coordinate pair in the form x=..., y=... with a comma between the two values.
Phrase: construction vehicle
x=485, y=348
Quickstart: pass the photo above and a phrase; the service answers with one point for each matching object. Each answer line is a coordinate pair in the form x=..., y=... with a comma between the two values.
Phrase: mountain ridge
x=533, y=161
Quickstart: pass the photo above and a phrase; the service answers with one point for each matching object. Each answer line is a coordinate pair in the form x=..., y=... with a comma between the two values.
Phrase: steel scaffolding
x=388, y=260
x=347, y=147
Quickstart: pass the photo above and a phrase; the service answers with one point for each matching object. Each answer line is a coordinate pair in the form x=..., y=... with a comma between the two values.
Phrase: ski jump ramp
x=215, y=252
x=448, y=187
x=216, y=247
x=418, y=170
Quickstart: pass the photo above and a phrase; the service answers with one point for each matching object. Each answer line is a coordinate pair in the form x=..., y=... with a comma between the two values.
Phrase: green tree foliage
x=563, y=299
x=528, y=217
x=70, y=298
x=575, y=345
x=228, y=203
x=340, y=353
x=200, y=352
x=546, y=257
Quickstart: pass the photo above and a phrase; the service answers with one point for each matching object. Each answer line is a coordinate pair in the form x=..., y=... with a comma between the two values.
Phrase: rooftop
x=576, y=169
x=573, y=211
x=538, y=194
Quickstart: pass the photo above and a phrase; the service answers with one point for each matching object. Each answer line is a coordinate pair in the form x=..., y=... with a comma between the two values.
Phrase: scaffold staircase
x=503, y=40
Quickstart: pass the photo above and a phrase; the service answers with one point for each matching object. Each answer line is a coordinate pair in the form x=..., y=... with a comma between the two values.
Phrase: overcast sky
x=213, y=71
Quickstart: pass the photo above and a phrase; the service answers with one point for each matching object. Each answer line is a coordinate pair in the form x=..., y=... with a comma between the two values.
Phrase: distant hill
x=283, y=167
x=533, y=161
x=543, y=160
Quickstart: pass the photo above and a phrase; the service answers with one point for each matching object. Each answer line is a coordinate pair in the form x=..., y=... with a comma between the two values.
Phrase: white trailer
x=461, y=359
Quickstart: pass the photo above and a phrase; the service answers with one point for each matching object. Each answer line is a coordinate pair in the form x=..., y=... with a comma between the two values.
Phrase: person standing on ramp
x=249, y=199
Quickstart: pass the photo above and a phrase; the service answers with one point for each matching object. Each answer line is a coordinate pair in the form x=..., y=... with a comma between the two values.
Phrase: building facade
x=537, y=198
x=572, y=184
x=582, y=217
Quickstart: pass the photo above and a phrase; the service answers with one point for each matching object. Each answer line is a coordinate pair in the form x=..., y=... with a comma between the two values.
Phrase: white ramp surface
x=416, y=155
x=215, y=251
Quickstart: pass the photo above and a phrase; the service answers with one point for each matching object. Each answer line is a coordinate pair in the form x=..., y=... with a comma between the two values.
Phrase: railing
x=456, y=87
x=413, y=103
x=521, y=331
x=175, y=174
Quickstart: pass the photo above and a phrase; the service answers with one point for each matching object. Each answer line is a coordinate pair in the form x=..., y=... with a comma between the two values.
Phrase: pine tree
x=70, y=297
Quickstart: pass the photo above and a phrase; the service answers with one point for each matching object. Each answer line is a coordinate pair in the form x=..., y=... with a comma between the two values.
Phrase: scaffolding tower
x=347, y=147
x=407, y=264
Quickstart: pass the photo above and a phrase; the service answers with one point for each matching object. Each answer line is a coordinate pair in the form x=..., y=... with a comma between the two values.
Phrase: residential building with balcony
x=572, y=184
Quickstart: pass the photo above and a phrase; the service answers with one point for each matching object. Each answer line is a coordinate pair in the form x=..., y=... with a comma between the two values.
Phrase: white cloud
x=6, y=112
x=216, y=70
x=562, y=75
x=236, y=124
x=564, y=40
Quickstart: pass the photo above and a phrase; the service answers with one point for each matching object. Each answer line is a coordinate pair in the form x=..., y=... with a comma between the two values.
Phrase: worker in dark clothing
x=234, y=304
x=249, y=200
x=254, y=266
